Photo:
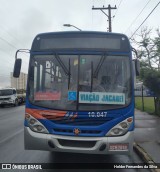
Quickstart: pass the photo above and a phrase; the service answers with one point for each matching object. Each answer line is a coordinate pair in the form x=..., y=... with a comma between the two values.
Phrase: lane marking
x=10, y=137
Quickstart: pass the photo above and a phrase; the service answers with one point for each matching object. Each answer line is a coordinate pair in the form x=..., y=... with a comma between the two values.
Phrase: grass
x=148, y=104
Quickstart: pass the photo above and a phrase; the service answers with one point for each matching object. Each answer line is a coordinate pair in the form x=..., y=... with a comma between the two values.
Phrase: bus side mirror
x=17, y=68
x=137, y=67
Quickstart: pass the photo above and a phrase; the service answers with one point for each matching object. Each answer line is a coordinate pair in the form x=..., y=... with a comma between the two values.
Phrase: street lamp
x=69, y=25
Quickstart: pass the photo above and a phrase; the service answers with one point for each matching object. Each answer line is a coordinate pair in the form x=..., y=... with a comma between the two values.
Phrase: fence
x=144, y=99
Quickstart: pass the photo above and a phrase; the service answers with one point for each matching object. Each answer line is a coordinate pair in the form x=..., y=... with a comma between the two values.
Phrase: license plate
x=118, y=146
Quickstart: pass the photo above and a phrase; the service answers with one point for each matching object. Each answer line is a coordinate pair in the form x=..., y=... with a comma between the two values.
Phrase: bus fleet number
x=97, y=114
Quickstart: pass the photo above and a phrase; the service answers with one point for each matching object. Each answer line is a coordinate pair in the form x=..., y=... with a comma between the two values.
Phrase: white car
x=8, y=96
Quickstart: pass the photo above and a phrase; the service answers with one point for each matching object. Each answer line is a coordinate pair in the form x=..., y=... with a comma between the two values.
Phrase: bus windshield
x=80, y=82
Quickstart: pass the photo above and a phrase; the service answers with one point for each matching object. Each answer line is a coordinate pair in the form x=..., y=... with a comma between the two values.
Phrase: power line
x=117, y=8
x=119, y=4
x=8, y=43
x=138, y=15
x=5, y=29
x=8, y=61
x=145, y=19
x=11, y=45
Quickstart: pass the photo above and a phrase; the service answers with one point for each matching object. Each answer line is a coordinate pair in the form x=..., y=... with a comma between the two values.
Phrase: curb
x=145, y=156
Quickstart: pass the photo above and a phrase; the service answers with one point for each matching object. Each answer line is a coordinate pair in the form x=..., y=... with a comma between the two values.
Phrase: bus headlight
x=35, y=125
x=121, y=128
x=38, y=128
x=117, y=131
x=32, y=121
x=124, y=125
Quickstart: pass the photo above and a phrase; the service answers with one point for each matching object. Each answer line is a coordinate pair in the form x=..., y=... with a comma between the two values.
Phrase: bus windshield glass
x=80, y=82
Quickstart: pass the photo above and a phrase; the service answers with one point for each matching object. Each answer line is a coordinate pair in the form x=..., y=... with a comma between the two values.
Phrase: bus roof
x=80, y=33
x=77, y=40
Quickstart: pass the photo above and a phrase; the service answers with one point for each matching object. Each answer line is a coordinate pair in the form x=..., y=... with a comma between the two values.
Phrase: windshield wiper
x=91, y=76
x=99, y=66
x=62, y=64
x=69, y=74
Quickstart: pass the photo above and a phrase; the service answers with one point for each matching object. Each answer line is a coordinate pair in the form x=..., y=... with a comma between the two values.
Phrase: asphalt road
x=12, y=146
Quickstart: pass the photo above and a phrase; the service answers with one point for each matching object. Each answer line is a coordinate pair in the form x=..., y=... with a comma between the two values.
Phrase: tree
x=151, y=78
x=149, y=53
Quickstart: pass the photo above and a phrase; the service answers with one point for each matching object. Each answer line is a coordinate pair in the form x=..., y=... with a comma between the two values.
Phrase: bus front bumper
x=92, y=145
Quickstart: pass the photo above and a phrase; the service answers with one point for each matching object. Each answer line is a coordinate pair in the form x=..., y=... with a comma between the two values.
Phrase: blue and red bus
x=80, y=93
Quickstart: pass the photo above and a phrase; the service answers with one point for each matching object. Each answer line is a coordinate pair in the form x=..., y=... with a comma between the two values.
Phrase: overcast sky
x=21, y=21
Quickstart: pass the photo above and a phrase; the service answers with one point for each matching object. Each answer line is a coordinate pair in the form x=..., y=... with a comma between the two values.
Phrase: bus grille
x=75, y=143
x=81, y=121
x=70, y=131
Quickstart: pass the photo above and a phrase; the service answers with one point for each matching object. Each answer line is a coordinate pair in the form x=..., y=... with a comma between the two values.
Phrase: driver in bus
x=86, y=86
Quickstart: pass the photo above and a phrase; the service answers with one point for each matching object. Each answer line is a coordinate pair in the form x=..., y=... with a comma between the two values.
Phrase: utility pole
x=109, y=8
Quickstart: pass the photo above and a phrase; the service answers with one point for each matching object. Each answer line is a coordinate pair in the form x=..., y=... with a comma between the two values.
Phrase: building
x=19, y=83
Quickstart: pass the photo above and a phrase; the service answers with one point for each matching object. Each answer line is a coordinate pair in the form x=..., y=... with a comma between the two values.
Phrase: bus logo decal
x=76, y=131
x=70, y=115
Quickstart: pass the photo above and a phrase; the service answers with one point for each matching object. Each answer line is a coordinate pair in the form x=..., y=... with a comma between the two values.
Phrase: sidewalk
x=147, y=136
